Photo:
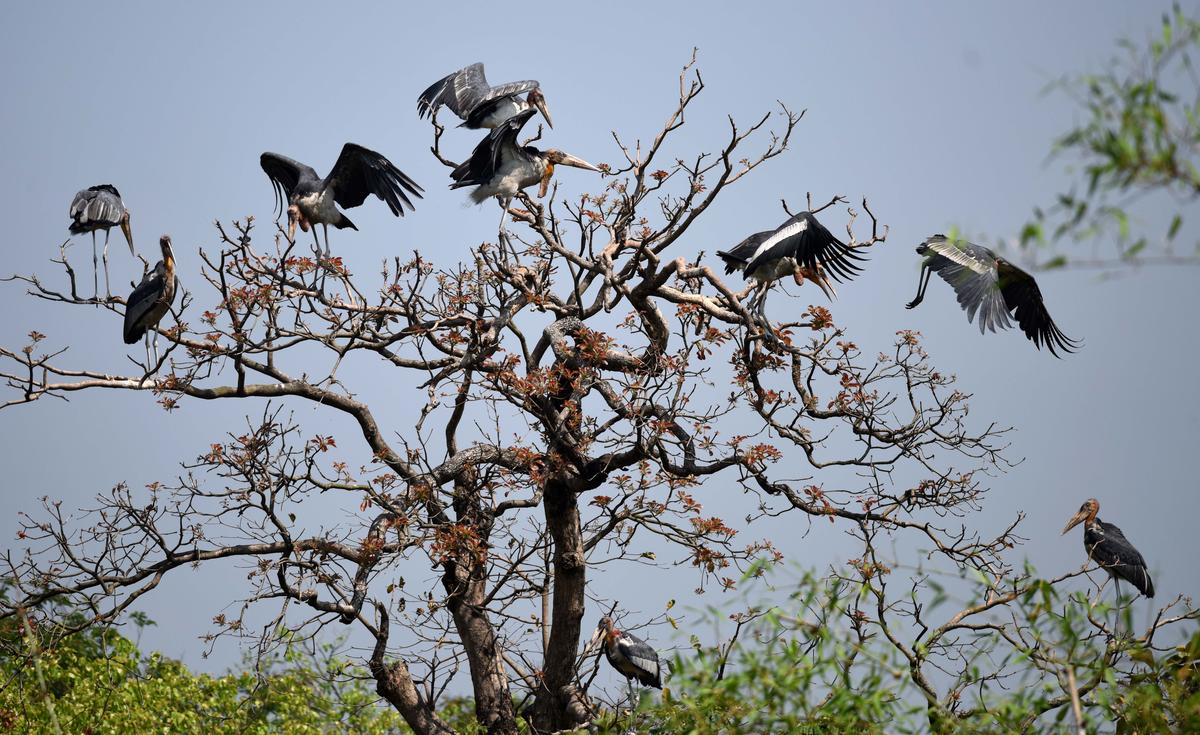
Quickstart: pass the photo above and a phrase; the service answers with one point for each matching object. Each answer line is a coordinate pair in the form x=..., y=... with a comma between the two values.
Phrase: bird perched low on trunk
x=1108, y=547
x=801, y=248
x=478, y=104
x=100, y=208
x=630, y=655
x=151, y=299
x=993, y=287
x=312, y=200
x=500, y=167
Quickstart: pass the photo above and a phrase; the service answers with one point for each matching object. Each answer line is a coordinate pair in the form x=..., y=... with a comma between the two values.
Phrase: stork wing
x=96, y=205
x=461, y=91
x=807, y=241
x=141, y=301
x=1022, y=294
x=971, y=271
x=360, y=171
x=739, y=255
x=510, y=89
x=284, y=174
x=1114, y=553
x=641, y=655
x=485, y=159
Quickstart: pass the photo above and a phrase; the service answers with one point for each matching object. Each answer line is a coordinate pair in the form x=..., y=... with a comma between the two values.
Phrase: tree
x=573, y=377
x=1140, y=139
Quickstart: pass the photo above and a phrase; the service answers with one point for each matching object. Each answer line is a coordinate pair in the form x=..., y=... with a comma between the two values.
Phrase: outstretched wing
x=806, y=240
x=739, y=255
x=971, y=270
x=1021, y=294
x=284, y=174
x=510, y=89
x=94, y=207
x=485, y=159
x=360, y=171
x=461, y=91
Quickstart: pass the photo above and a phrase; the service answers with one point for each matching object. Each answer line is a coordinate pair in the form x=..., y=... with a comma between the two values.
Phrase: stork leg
x=325, y=229
x=156, y=349
x=922, y=284
x=146, y=344
x=95, y=271
x=107, y=290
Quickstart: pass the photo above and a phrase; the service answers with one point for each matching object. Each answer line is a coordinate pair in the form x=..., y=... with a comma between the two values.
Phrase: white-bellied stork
x=500, y=167
x=100, y=208
x=1108, y=547
x=993, y=287
x=151, y=300
x=312, y=200
x=632, y=657
x=467, y=93
x=801, y=248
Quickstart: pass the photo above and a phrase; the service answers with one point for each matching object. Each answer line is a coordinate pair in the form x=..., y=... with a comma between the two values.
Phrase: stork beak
x=569, y=160
x=540, y=104
x=594, y=641
x=294, y=218
x=128, y=232
x=1076, y=519
x=825, y=285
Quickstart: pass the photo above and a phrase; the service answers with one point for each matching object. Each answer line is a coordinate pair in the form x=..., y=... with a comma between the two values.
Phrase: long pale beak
x=1075, y=521
x=294, y=218
x=569, y=160
x=822, y=282
x=594, y=641
x=128, y=232
x=540, y=104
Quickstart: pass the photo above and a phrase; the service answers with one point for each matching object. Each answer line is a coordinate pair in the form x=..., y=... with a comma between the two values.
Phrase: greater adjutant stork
x=151, y=300
x=467, y=93
x=312, y=200
x=100, y=208
x=993, y=287
x=801, y=248
x=1108, y=547
x=630, y=655
x=500, y=167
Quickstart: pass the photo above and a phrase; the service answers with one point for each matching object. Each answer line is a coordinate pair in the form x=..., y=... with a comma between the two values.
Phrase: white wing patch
x=781, y=234
x=951, y=251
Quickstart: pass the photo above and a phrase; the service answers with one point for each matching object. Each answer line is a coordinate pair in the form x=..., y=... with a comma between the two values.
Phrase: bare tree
x=574, y=379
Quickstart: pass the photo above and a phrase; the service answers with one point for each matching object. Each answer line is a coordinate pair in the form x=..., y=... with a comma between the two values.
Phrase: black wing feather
x=1021, y=294
x=285, y=173
x=806, y=240
x=96, y=207
x=971, y=271
x=1113, y=552
x=485, y=159
x=360, y=171
x=461, y=91
x=739, y=255
x=141, y=302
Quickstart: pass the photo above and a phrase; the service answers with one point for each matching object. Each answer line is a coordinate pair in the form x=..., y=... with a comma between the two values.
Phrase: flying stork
x=801, y=248
x=467, y=93
x=312, y=200
x=100, y=208
x=1108, y=547
x=500, y=167
x=151, y=300
x=630, y=655
x=993, y=287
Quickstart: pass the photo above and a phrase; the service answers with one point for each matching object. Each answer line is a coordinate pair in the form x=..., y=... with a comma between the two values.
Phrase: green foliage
x=1140, y=135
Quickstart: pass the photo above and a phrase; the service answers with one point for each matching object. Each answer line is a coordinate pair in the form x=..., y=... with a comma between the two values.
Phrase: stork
x=632, y=657
x=312, y=200
x=1108, y=547
x=151, y=300
x=801, y=248
x=467, y=93
x=100, y=208
x=500, y=167
x=993, y=287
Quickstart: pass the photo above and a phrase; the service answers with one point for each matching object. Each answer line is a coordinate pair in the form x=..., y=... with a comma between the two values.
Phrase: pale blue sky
x=934, y=112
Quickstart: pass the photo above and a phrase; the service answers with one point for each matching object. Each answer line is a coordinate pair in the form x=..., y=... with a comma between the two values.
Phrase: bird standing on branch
x=150, y=301
x=100, y=208
x=1108, y=547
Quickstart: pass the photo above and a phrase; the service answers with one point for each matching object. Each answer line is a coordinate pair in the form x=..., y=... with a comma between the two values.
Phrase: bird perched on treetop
x=100, y=208
x=630, y=655
x=467, y=93
x=151, y=299
x=1108, y=547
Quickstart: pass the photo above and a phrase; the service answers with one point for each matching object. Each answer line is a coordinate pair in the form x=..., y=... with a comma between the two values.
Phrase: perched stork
x=467, y=93
x=151, y=300
x=500, y=167
x=801, y=248
x=1108, y=547
x=630, y=655
x=993, y=287
x=312, y=200
x=100, y=208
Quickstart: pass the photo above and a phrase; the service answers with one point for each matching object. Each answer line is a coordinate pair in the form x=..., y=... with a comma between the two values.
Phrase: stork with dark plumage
x=500, y=167
x=150, y=301
x=1108, y=547
x=801, y=248
x=993, y=287
x=632, y=657
x=312, y=200
x=100, y=208
x=467, y=93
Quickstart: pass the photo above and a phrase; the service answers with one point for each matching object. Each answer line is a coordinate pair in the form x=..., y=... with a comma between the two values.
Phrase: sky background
x=935, y=112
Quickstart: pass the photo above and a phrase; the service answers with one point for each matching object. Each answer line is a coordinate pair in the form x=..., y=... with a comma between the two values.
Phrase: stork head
x=816, y=276
x=127, y=230
x=555, y=157
x=295, y=216
x=538, y=100
x=606, y=628
x=168, y=255
x=1087, y=513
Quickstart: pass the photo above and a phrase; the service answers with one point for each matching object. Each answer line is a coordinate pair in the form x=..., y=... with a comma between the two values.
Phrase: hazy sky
x=936, y=114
